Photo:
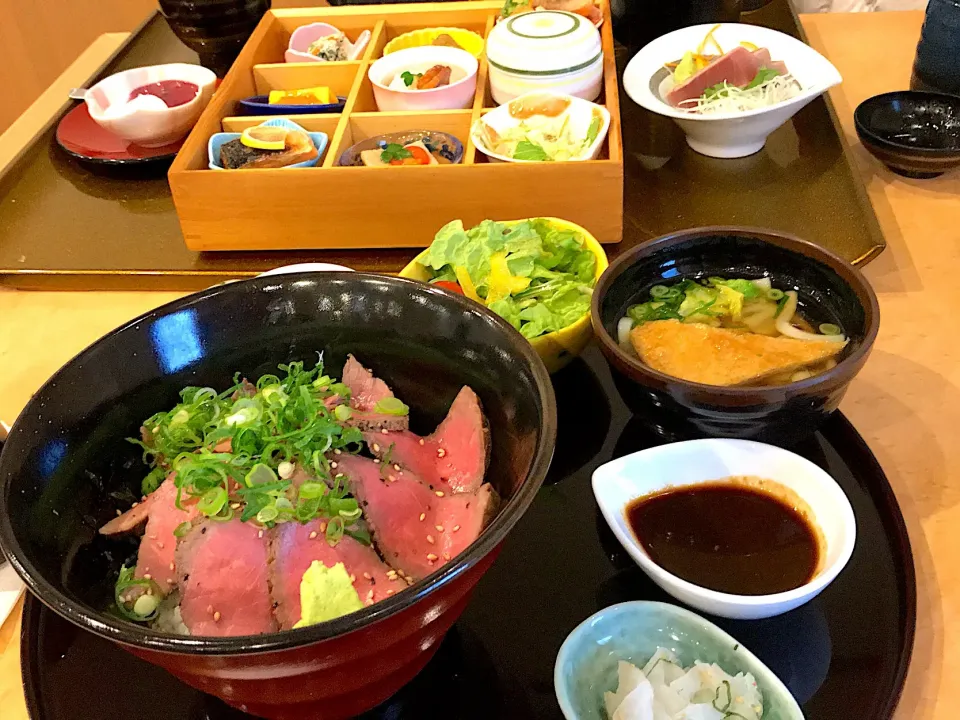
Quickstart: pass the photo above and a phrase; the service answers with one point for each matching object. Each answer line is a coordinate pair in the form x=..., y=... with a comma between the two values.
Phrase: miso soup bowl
x=66, y=456
x=829, y=289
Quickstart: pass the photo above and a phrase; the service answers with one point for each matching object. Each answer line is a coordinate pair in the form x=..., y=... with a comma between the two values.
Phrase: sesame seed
x=430, y=539
x=323, y=527
x=333, y=465
x=385, y=431
x=389, y=592
x=119, y=513
x=456, y=527
x=376, y=448
x=235, y=506
x=337, y=452
x=391, y=478
x=421, y=441
x=368, y=603
x=439, y=528
x=446, y=556
x=134, y=505
x=396, y=467
x=431, y=557
x=441, y=452
x=209, y=609
x=216, y=616
x=147, y=576
x=353, y=578
x=160, y=545
x=423, y=517
x=171, y=566
x=368, y=577
x=376, y=462
x=439, y=493
x=370, y=595
x=260, y=534
x=313, y=534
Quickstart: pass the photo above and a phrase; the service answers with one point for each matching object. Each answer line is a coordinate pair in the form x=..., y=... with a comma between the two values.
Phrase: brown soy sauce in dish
x=743, y=536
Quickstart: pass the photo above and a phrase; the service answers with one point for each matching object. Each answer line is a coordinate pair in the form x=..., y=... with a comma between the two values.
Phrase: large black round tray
x=848, y=649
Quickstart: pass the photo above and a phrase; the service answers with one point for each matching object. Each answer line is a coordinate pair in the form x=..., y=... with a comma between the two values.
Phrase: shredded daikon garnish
x=726, y=98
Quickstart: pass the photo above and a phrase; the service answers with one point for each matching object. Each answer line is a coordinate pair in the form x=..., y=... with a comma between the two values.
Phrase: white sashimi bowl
x=694, y=462
x=728, y=135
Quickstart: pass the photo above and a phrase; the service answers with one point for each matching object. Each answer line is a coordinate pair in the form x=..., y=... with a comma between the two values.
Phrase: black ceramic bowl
x=66, y=469
x=829, y=289
x=916, y=134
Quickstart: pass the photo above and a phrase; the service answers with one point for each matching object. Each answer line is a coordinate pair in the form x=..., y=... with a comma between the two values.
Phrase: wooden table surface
x=906, y=402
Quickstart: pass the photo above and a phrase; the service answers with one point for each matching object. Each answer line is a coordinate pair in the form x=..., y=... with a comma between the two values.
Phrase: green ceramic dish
x=587, y=663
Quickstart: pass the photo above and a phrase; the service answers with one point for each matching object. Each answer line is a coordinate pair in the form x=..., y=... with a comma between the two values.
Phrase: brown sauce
x=733, y=537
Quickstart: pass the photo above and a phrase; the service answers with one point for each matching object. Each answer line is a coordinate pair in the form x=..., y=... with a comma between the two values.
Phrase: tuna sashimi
x=736, y=67
x=365, y=392
x=454, y=458
x=222, y=568
x=292, y=549
x=417, y=529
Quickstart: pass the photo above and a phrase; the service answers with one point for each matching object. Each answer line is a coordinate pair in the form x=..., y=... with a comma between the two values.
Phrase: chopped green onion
x=391, y=406
x=260, y=474
x=660, y=291
x=310, y=490
x=212, y=501
x=335, y=529
x=342, y=413
x=350, y=516
x=152, y=481
x=268, y=514
x=140, y=612
x=774, y=294
x=830, y=329
x=181, y=529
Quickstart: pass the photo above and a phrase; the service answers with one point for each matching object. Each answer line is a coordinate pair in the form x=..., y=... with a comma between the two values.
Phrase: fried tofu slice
x=717, y=356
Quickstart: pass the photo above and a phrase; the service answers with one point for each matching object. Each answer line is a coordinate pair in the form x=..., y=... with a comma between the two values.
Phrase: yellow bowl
x=469, y=41
x=558, y=348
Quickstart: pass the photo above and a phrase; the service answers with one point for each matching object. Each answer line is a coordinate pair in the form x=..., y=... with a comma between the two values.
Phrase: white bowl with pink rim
x=304, y=36
x=695, y=462
x=393, y=95
x=736, y=134
x=146, y=119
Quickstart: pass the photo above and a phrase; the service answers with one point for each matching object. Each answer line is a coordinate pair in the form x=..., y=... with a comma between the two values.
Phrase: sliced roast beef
x=454, y=458
x=222, y=569
x=158, y=545
x=365, y=392
x=132, y=518
x=736, y=67
x=293, y=548
x=417, y=529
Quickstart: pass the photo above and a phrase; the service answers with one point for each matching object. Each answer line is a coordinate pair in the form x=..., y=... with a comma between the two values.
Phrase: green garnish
x=181, y=529
x=527, y=150
x=342, y=412
x=830, y=329
x=394, y=151
x=144, y=607
x=592, y=131
x=510, y=5
x=409, y=78
x=763, y=75
x=391, y=406
x=280, y=419
x=724, y=707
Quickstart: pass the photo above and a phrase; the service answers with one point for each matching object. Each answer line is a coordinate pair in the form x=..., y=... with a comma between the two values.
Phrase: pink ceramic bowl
x=457, y=95
x=148, y=121
x=304, y=36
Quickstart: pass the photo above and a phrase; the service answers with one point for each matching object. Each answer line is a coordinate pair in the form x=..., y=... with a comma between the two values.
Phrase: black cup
x=215, y=29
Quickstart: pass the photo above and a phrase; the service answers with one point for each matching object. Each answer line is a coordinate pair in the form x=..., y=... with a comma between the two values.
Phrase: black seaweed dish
x=830, y=290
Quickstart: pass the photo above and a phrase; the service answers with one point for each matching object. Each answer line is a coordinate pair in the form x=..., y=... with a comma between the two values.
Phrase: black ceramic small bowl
x=915, y=134
x=829, y=289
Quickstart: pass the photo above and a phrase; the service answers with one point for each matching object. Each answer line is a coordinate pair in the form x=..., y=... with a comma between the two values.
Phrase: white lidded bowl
x=694, y=462
x=458, y=95
x=545, y=50
x=728, y=135
x=149, y=126
x=580, y=113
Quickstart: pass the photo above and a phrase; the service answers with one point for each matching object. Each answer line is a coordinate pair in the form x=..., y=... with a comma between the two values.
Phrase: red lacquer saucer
x=82, y=138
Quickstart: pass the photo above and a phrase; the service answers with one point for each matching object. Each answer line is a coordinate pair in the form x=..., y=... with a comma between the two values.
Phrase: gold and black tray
x=65, y=226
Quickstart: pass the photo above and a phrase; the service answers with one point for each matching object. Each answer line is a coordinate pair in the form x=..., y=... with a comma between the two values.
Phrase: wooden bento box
x=329, y=207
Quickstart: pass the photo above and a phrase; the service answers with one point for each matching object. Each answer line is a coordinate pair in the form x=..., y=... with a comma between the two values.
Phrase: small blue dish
x=438, y=143
x=587, y=662
x=259, y=105
x=216, y=140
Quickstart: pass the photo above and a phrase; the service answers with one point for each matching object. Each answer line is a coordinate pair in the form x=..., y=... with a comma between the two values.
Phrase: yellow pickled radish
x=264, y=137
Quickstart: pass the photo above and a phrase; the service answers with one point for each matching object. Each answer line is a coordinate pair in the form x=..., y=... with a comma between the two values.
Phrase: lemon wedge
x=264, y=138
